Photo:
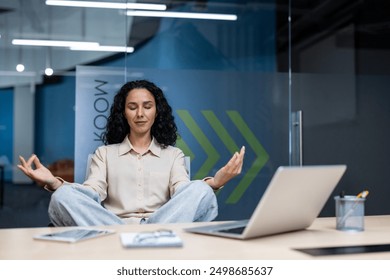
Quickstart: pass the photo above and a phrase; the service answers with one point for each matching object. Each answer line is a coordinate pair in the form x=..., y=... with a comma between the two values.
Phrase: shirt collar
x=125, y=147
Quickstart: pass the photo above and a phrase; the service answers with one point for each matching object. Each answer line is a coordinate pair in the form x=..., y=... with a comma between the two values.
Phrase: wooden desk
x=16, y=244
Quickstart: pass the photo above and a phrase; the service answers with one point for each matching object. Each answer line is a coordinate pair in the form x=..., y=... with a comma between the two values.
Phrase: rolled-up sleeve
x=179, y=172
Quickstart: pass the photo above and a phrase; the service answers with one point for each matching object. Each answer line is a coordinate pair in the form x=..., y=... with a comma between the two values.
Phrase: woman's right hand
x=40, y=174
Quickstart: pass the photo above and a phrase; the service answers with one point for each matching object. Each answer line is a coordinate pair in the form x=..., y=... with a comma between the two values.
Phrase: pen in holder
x=350, y=212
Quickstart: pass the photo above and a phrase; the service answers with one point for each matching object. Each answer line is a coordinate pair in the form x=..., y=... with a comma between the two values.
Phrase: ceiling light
x=103, y=49
x=49, y=71
x=20, y=67
x=52, y=43
x=182, y=15
x=107, y=5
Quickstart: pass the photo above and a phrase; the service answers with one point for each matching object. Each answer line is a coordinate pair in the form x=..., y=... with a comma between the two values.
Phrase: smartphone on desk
x=74, y=235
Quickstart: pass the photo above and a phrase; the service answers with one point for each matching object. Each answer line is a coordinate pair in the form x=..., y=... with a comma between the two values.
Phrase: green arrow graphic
x=258, y=163
x=212, y=154
x=181, y=144
x=262, y=156
x=221, y=131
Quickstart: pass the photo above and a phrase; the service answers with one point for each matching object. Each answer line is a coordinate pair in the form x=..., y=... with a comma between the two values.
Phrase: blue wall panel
x=6, y=127
x=55, y=118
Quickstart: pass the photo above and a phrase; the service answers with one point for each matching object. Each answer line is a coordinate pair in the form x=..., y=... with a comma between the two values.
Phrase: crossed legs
x=76, y=205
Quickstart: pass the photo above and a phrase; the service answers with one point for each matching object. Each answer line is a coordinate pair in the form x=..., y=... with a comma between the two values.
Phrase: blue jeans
x=76, y=205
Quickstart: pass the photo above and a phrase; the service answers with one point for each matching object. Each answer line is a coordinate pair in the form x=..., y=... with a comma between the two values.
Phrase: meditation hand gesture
x=229, y=171
x=40, y=174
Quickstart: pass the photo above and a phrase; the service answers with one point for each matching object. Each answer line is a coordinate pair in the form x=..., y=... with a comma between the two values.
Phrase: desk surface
x=19, y=244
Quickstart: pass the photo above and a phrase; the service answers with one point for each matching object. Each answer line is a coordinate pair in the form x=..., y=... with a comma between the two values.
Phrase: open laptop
x=293, y=199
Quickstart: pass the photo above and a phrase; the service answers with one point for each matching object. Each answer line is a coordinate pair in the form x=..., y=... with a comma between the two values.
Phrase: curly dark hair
x=164, y=128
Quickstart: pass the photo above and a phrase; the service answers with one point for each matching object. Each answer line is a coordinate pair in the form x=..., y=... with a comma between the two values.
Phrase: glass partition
x=340, y=82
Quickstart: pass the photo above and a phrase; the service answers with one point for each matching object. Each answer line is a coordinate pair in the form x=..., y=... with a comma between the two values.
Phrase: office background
x=329, y=61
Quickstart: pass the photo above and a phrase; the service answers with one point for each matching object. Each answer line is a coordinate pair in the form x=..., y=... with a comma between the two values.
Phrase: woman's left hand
x=229, y=171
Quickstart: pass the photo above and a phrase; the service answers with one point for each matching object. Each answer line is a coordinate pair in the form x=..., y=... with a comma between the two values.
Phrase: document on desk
x=151, y=239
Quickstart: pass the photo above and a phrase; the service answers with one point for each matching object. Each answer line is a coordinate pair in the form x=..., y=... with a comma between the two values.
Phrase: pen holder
x=349, y=213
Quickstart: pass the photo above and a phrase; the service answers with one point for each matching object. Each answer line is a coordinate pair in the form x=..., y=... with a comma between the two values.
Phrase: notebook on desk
x=293, y=199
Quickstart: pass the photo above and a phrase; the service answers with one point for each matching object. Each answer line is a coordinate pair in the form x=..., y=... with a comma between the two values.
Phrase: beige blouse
x=132, y=185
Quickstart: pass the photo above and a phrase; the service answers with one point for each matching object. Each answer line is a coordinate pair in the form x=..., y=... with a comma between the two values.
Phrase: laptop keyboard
x=237, y=230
